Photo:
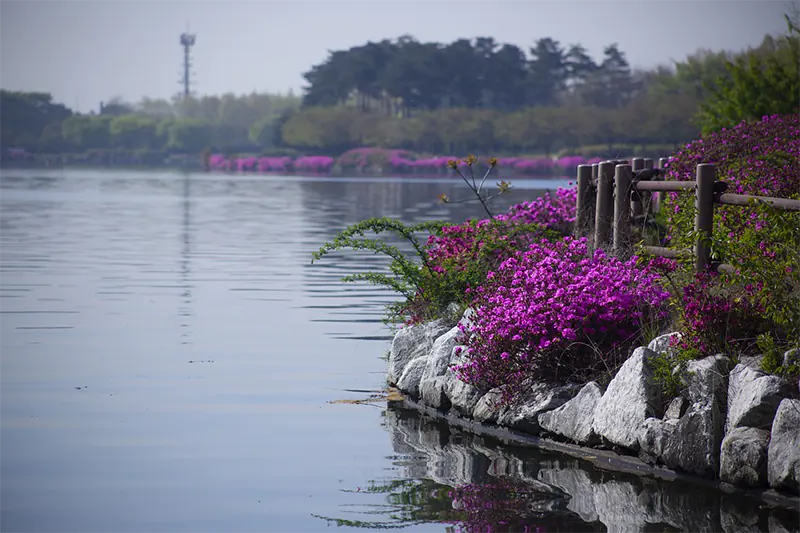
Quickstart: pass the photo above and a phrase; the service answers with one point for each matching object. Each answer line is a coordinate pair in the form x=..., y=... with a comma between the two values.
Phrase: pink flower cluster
x=719, y=322
x=314, y=163
x=760, y=158
x=542, y=165
x=555, y=311
x=552, y=211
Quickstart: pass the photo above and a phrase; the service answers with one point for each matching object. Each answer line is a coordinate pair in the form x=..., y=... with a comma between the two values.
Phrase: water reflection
x=185, y=310
x=480, y=484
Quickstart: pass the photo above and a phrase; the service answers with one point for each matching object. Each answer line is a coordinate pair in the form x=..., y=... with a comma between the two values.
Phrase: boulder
x=573, y=420
x=412, y=375
x=442, y=353
x=488, y=407
x=653, y=438
x=751, y=361
x=708, y=380
x=663, y=343
x=630, y=399
x=743, y=457
x=791, y=357
x=783, y=454
x=676, y=409
x=540, y=397
x=431, y=391
x=463, y=396
x=694, y=444
x=410, y=343
x=753, y=398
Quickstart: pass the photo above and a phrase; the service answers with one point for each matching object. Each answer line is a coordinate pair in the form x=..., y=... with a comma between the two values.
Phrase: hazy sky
x=87, y=51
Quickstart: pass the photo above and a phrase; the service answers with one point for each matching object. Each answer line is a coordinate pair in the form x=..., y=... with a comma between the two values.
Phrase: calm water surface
x=169, y=355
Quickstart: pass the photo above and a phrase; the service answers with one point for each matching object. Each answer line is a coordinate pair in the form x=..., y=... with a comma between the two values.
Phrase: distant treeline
x=433, y=98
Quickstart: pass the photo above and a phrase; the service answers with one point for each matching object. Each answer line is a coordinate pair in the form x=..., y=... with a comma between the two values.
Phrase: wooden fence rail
x=606, y=213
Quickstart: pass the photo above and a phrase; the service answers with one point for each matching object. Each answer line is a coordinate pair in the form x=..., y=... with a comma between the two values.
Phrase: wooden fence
x=606, y=213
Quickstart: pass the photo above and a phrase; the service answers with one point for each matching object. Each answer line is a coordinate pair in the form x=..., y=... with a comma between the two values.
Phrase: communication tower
x=187, y=41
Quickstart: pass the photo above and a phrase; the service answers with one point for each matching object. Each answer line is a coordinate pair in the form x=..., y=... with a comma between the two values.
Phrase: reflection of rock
x=733, y=520
x=622, y=502
x=629, y=400
x=573, y=481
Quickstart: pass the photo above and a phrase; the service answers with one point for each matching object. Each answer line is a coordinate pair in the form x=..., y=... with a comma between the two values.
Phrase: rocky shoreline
x=734, y=425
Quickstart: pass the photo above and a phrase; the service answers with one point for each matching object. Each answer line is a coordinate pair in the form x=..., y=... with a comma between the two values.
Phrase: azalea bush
x=557, y=311
x=761, y=295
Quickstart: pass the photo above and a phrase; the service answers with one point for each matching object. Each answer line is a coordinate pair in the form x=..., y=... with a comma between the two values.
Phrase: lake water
x=169, y=356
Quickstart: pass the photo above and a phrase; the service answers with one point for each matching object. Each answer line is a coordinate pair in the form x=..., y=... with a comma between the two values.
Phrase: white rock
x=573, y=420
x=628, y=401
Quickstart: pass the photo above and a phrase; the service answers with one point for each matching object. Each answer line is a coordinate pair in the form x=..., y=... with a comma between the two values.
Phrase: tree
x=86, y=132
x=548, y=72
x=25, y=116
x=134, y=132
x=760, y=82
x=187, y=135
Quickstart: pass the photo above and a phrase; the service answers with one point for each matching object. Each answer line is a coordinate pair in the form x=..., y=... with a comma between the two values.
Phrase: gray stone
x=431, y=391
x=708, y=379
x=540, y=397
x=694, y=444
x=791, y=357
x=442, y=353
x=653, y=438
x=412, y=342
x=628, y=401
x=488, y=407
x=783, y=454
x=452, y=314
x=463, y=396
x=573, y=420
x=751, y=361
x=412, y=375
x=662, y=344
x=753, y=398
x=676, y=409
x=743, y=457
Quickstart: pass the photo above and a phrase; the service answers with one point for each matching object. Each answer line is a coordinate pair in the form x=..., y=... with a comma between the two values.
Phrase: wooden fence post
x=622, y=210
x=585, y=201
x=704, y=214
x=658, y=196
x=647, y=196
x=637, y=164
x=604, y=204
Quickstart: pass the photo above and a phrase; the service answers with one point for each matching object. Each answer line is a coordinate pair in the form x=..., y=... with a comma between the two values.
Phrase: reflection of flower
x=502, y=504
